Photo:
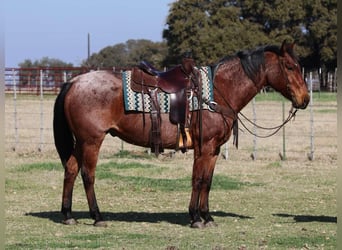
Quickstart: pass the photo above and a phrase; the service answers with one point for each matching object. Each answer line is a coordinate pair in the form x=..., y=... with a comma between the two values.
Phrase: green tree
x=44, y=62
x=214, y=28
x=128, y=54
x=311, y=23
x=210, y=29
x=30, y=71
x=279, y=20
x=187, y=26
x=321, y=26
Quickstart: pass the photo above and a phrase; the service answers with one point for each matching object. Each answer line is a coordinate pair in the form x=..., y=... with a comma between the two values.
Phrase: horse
x=91, y=105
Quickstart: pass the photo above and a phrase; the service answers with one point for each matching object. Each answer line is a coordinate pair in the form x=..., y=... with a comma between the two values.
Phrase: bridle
x=227, y=110
x=292, y=111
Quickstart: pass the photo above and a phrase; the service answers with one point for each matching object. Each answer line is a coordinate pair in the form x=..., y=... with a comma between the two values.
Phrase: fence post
x=311, y=154
x=65, y=76
x=335, y=81
x=254, y=153
x=41, y=112
x=225, y=156
x=15, y=109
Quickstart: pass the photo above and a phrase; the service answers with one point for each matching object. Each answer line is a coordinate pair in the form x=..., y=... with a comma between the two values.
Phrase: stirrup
x=188, y=140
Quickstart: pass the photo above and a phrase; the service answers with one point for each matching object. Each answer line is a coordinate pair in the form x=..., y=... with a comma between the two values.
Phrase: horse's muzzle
x=303, y=103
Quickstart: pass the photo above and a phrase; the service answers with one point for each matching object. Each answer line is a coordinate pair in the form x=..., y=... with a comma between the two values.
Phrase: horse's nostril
x=306, y=101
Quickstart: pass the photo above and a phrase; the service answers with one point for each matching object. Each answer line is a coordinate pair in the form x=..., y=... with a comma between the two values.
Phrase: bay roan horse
x=91, y=105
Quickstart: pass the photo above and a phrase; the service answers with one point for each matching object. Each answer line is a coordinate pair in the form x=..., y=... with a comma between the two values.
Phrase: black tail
x=64, y=139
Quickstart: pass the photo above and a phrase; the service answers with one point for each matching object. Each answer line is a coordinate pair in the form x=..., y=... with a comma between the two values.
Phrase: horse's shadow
x=178, y=218
x=131, y=216
x=310, y=218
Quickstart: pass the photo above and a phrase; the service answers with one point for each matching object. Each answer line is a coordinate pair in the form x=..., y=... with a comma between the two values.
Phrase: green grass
x=135, y=182
x=108, y=171
x=145, y=202
x=169, y=185
x=276, y=164
x=132, y=155
x=48, y=166
x=324, y=96
x=324, y=111
x=14, y=185
x=302, y=241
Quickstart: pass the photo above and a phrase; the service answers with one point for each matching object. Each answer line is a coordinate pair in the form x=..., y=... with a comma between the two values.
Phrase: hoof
x=197, y=224
x=210, y=224
x=70, y=222
x=100, y=224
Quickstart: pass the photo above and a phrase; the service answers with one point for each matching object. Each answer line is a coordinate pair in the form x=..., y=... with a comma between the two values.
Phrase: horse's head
x=287, y=78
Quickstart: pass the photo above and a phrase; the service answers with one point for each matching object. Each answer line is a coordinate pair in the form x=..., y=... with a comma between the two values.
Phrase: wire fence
x=312, y=135
x=32, y=80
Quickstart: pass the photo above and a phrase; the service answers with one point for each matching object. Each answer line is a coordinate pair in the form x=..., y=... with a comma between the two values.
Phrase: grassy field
x=262, y=204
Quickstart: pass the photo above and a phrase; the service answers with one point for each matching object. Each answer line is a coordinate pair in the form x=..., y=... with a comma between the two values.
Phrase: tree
x=321, y=26
x=187, y=30
x=312, y=24
x=209, y=29
x=279, y=20
x=44, y=62
x=128, y=54
x=29, y=75
x=214, y=28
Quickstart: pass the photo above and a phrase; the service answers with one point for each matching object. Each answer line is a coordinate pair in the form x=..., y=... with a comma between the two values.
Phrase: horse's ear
x=283, y=47
x=292, y=45
x=286, y=47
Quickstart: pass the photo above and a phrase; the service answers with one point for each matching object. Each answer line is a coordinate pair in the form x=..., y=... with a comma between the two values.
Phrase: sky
x=59, y=28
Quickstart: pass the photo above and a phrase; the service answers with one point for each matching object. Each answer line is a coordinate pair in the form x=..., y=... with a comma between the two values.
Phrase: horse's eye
x=290, y=67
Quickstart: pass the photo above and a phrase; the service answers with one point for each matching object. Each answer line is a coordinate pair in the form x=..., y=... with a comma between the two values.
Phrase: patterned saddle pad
x=134, y=100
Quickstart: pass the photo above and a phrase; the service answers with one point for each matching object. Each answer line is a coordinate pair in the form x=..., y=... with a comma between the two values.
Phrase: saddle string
x=143, y=98
x=198, y=86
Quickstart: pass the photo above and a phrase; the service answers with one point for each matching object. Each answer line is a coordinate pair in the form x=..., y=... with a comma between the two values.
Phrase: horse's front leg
x=202, y=174
x=204, y=195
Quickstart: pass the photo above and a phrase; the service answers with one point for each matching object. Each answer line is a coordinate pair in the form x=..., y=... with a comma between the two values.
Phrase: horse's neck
x=237, y=88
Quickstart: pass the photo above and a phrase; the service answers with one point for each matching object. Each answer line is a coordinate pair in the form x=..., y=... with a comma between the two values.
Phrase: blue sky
x=59, y=28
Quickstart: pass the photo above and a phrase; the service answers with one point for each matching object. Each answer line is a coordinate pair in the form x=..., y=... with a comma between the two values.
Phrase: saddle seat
x=171, y=81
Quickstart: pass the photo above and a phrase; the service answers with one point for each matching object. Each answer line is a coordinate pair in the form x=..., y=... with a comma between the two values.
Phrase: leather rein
x=291, y=115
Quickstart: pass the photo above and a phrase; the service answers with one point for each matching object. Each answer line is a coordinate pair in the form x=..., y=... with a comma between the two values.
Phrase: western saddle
x=180, y=82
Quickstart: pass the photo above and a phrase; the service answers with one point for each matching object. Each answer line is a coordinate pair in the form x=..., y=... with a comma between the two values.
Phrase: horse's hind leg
x=71, y=170
x=88, y=162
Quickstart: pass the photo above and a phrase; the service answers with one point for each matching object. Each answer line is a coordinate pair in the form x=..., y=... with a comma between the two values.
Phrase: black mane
x=253, y=60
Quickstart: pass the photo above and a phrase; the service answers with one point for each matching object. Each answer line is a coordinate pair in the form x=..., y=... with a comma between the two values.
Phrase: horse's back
x=90, y=101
